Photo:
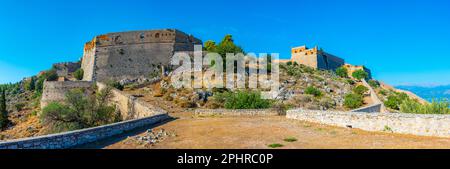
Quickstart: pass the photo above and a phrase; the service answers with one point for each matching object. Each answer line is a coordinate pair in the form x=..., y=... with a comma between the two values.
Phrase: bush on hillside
x=313, y=91
x=243, y=100
x=374, y=83
x=115, y=84
x=436, y=107
x=353, y=101
x=78, y=74
x=80, y=111
x=393, y=102
x=342, y=72
x=360, y=74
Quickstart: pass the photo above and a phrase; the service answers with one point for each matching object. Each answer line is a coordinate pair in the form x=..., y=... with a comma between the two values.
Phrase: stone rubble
x=151, y=137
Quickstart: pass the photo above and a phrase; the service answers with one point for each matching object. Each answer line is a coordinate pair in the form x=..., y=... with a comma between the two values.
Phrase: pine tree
x=3, y=113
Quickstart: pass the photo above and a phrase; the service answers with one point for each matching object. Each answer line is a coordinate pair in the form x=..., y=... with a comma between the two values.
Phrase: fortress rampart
x=55, y=91
x=316, y=58
x=117, y=56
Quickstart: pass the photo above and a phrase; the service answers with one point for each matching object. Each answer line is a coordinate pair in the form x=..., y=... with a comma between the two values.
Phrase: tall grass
x=435, y=107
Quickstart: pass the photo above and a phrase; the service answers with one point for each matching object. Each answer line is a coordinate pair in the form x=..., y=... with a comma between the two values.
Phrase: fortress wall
x=333, y=62
x=63, y=69
x=375, y=108
x=308, y=60
x=403, y=123
x=80, y=137
x=55, y=91
x=138, y=113
x=87, y=64
x=131, y=61
x=118, y=56
x=131, y=107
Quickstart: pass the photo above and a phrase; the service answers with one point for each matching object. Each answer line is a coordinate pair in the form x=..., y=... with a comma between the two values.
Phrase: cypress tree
x=3, y=113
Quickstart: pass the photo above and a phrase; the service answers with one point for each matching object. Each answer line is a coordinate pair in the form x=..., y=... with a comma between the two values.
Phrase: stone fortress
x=319, y=59
x=118, y=56
x=316, y=58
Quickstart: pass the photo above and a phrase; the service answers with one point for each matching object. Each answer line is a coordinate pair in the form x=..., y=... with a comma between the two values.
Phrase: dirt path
x=259, y=132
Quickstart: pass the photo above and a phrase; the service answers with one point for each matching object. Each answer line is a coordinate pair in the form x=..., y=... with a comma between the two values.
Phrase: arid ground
x=259, y=132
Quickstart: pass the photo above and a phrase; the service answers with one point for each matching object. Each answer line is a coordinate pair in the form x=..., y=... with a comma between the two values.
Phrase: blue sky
x=401, y=41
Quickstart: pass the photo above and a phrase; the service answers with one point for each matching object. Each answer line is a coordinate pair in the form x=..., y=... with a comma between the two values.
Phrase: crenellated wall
x=315, y=58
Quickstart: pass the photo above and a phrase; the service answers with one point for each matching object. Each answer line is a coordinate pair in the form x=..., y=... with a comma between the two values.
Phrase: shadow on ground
x=118, y=138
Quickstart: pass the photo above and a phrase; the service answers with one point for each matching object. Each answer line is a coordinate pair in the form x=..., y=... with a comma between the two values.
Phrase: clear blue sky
x=401, y=41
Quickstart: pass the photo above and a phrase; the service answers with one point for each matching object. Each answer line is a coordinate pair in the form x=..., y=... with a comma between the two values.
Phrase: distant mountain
x=429, y=93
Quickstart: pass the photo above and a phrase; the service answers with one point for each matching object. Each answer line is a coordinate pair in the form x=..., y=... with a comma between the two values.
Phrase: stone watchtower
x=316, y=58
x=117, y=56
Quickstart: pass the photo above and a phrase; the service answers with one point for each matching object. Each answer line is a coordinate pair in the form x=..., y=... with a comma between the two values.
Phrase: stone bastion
x=136, y=54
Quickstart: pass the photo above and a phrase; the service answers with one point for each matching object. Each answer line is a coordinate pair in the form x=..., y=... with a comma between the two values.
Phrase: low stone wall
x=238, y=112
x=416, y=124
x=80, y=137
x=130, y=106
x=376, y=108
x=377, y=103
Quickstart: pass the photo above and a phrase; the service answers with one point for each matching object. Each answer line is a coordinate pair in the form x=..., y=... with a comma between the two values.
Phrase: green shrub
x=115, y=85
x=275, y=145
x=80, y=111
x=374, y=83
x=78, y=74
x=290, y=139
x=342, y=72
x=436, y=107
x=313, y=91
x=50, y=75
x=383, y=92
x=30, y=85
x=243, y=100
x=393, y=102
x=360, y=89
x=19, y=106
x=353, y=101
x=360, y=74
x=4, y=121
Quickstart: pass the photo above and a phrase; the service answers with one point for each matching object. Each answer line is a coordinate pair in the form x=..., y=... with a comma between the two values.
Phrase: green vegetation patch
x=275, y=145
x=290, y=139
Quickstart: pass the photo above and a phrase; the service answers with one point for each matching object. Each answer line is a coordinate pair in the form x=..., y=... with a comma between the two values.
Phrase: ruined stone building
x=118, y=56
x=316, y=58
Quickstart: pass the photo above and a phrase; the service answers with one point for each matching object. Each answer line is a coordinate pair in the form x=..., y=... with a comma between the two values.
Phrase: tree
x=393, y=102
x=353, y=101
x=210, y=46
x=360, y=89
x=80, y=111
x=227, y=46
x=30, y=85
x=360, y=74
x=78, y=74
x=342, y=72
x=3, y=112
x=374, y=83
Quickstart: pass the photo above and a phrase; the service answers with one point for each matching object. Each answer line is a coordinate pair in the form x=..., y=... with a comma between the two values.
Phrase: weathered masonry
x=316, y=58
x=130, y=55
